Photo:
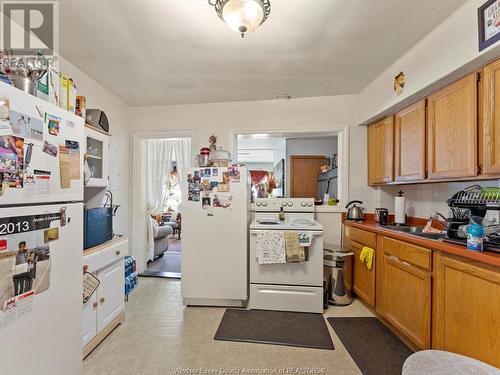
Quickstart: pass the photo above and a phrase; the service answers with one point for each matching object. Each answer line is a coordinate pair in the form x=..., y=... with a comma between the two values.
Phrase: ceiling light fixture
x=242, y=15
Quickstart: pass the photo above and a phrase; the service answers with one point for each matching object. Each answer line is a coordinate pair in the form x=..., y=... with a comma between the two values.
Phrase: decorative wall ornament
x=399, y=83
x=488, y=23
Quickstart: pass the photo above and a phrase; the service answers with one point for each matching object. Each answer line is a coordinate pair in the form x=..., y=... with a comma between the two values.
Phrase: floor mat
x=374, y=348
x=169, y=265
x=305, y=330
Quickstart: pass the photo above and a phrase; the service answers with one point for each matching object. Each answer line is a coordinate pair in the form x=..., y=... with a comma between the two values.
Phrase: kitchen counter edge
x=489, y=258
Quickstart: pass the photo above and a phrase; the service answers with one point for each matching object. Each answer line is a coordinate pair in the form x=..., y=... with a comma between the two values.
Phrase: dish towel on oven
x=270, y=247
x=294, y=251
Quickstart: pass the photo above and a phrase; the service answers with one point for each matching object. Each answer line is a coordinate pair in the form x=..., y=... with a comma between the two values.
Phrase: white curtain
x=159, y=164
x=182, y=149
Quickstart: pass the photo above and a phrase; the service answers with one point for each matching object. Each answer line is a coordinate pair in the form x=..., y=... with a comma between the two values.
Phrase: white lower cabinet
x=89, y=323
x=105, y=309
x=111, y=303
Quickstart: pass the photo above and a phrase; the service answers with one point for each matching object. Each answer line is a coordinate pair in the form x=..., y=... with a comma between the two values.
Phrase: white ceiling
x=157, y=52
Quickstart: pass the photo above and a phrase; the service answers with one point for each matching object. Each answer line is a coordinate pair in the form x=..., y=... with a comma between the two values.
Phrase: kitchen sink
x=405, y=228
x=415, y=231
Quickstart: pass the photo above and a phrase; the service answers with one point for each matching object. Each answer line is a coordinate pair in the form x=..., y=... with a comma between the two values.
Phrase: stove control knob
x=258, y=204
x=303, y=204
x=264, y=204
x=309, y=204
x=290, y=204
x=283, y=204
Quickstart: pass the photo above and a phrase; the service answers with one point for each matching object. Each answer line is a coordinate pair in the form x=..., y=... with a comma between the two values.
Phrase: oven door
x=309, y=273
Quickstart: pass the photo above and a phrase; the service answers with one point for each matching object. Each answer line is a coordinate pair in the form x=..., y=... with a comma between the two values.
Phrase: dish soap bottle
x=475, y=233
x=281, y=215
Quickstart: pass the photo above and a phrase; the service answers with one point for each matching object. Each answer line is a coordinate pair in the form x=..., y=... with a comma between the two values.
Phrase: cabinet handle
x=94, y=305
x=117, y=252
x=102, y=300
x=392, y=257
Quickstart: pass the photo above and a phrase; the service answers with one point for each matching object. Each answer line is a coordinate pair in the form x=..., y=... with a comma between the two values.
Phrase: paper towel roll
x=399, y=210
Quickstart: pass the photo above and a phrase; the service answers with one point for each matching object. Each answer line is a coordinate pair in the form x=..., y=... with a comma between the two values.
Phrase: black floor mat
x=275, y=327
x=374, y=348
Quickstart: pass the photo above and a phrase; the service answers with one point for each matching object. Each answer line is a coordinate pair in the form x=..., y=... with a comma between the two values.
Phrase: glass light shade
x=243, y=15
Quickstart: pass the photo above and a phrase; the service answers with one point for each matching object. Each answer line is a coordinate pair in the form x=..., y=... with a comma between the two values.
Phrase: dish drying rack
x=476, y=200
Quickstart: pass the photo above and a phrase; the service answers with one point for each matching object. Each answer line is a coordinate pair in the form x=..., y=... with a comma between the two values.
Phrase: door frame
x=139, y=232
x=343, y=138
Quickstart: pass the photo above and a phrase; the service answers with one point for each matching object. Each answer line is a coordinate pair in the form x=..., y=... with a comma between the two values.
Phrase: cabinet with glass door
x=97, y=157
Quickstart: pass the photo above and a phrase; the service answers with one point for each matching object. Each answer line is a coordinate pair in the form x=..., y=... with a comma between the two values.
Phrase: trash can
x=333, y=268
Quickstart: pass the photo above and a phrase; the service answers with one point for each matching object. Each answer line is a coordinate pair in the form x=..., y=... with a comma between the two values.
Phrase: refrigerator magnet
x=53, y=125
x=51, y=234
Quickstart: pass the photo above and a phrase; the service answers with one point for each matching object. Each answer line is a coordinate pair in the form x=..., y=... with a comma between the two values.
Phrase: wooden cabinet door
x=363, y=278
x=110, y=294
x=89, y=320
x=452, y=130
x=490, y=115
x=380, y=151
x=466, y=302
x=405, y=299
x=409, y=143
x=304, y=171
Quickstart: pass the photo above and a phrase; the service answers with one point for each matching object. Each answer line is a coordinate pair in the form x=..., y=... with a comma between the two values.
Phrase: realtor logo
x=29, y=28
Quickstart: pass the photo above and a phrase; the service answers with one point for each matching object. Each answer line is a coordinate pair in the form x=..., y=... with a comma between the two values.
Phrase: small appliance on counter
x=400, y=209
x=355, y=212
x=381, y=215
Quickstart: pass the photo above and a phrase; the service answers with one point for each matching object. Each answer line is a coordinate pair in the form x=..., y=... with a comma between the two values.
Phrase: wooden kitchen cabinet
x=452, y=130
x=380, y=151
x=466, y=306
x=363, y=278
x=410, y=143
x=490, y=119
x=404, y=289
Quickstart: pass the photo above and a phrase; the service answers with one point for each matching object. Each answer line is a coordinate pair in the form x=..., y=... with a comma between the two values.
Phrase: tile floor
x=160, y=335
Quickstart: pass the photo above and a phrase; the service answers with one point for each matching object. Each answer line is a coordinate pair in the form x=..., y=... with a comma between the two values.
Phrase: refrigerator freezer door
x=214, y=245
x=45, y=127
x=48, y=339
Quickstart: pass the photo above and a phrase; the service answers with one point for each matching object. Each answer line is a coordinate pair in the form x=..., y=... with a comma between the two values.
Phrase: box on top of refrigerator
x=67, y=93
x=47, y=87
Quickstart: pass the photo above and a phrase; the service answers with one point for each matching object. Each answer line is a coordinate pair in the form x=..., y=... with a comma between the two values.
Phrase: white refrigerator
x=215, y=214
x=41, y=236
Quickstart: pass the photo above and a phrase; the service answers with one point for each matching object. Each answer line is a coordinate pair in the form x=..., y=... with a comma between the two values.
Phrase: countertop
x=490, y=258
x=105, y=245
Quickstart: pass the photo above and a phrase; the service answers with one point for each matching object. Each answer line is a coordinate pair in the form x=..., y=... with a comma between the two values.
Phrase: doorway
x=157, y=203
x=296, y=165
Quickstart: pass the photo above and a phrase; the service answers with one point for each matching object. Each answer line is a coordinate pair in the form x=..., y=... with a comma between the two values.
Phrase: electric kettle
x=354, y=212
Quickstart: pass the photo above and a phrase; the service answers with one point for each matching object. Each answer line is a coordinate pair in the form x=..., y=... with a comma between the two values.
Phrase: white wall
x=321, y=114
x=118, y=115
x=445, y=54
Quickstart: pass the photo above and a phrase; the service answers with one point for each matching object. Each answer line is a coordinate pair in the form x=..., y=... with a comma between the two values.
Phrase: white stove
x=287, y=286
x=298, y=224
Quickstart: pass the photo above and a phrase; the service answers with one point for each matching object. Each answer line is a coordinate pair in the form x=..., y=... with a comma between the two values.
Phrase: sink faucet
x=438, y=216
